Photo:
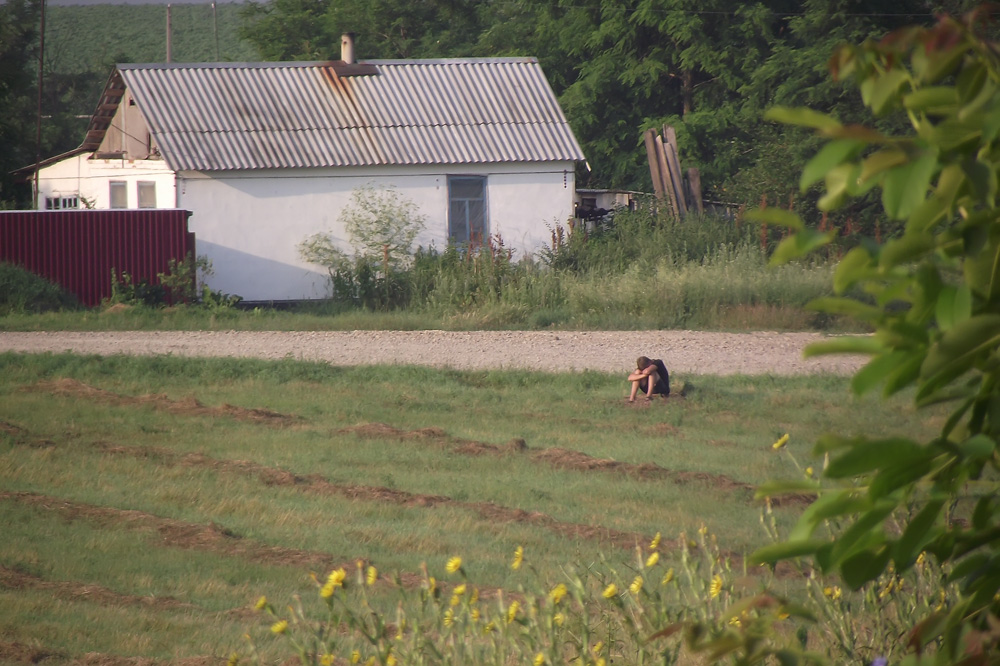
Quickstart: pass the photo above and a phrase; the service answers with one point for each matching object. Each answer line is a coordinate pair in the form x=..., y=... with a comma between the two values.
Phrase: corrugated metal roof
x=209, y=117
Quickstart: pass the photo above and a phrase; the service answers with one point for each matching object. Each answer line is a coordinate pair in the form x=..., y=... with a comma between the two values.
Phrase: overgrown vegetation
x=641, y=271
x=22, y=292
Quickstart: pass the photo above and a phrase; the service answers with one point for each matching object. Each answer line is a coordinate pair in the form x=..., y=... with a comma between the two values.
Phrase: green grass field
x=148, y=502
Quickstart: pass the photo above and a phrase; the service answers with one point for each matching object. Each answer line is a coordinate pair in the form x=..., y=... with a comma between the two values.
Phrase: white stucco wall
x=89, y=179
x=249, y=224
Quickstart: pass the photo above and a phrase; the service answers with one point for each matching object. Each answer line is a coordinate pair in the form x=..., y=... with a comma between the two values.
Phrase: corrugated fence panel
x=78, y=249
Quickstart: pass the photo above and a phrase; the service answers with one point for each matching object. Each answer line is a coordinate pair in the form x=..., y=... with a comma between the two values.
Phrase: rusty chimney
x=347, y=48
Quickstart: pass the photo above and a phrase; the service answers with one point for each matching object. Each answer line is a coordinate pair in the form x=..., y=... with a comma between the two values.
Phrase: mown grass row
x=200, y=509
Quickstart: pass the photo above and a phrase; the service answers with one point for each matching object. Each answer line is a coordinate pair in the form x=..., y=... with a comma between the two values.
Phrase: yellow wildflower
x=489, y=628
x=599, y=662
x=809, y=472
x=370, y=661
x=261, y=603
x=518, y=558
x=337, y=577
x=327, y=590
x=598, y=646
x=449, y=617
x=327, y=659
x=715, y=588
x=652, y=560
x=832, y=592
x=512, y=611
x=459, y=590
x=279, y=627
x=610, y=591
x=636, y=586
x=921, y=559
x=431, y=584
x=654, y=544
x=781, y=442
x=735, y=621
x=371, y=576
x=558, y=619
x=455, y=600
x=539, y=659
x=355, y=656
x=557, y=593
x=454, y=564
x=783, y=616
x=474, y=597
x=390, y=660
x=234, y=659
x=703, y=530
x=667, y=577
x=475, y=615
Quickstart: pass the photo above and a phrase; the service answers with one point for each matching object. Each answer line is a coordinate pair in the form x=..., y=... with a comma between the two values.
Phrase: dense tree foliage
x=18, y=95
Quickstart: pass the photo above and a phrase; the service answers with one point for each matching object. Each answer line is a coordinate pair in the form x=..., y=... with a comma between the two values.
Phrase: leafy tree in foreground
x=935, y=306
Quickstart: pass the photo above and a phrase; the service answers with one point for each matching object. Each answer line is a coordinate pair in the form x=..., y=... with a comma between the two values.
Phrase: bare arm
x=641, y=374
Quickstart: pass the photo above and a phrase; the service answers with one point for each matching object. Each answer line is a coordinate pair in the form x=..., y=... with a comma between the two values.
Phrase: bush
x=24, y=292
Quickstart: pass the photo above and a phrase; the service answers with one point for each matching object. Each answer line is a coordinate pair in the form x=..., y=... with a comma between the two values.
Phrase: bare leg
x=654, y=377
x=635, y=390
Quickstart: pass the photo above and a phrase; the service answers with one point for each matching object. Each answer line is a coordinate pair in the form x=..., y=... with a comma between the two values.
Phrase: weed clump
x=23, y=292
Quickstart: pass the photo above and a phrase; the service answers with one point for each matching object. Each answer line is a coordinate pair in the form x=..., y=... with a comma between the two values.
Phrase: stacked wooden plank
x=668, y=179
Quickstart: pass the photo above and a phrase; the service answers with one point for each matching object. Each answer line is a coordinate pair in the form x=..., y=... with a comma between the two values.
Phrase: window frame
x=145, y=184
x=471, y=237
x=122, y=186
x=62, y=202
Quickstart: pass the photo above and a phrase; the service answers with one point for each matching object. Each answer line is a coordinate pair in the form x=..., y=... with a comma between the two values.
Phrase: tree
x=311, y=29
x=19, y=55
x=934, y=302
x=381, y=226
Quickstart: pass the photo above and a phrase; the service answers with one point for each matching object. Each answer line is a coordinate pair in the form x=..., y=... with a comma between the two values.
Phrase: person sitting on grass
x=650, y=377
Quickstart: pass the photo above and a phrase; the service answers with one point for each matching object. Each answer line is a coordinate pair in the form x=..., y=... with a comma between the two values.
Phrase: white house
x=265, y=155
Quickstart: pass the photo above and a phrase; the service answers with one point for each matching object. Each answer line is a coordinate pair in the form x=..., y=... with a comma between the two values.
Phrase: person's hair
x=642, y=362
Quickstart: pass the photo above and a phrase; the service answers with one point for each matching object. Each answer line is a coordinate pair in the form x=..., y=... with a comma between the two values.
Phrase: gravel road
x=685, y=352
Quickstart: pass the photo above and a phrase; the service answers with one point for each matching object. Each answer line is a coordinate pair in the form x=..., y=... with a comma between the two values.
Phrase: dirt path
x=687, y=352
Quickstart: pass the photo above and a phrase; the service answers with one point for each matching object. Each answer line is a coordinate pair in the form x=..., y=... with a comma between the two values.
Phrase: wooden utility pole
x=38, y=110
x=169, y=45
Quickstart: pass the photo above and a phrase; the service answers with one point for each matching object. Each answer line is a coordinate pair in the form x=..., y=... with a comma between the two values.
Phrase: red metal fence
x=78, y=249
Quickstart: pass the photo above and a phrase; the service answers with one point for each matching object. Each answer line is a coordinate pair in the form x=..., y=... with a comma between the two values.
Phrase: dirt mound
x=565, y=458
x=16, y=580
x=179, y=534
x=19, y=653
x=9, y=428
x=189, y=406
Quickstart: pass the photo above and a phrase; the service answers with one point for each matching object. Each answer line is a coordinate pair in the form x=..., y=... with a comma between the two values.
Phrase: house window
x=119, y=194
x=62, y=202
x=147, y=194
x=467, y=223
